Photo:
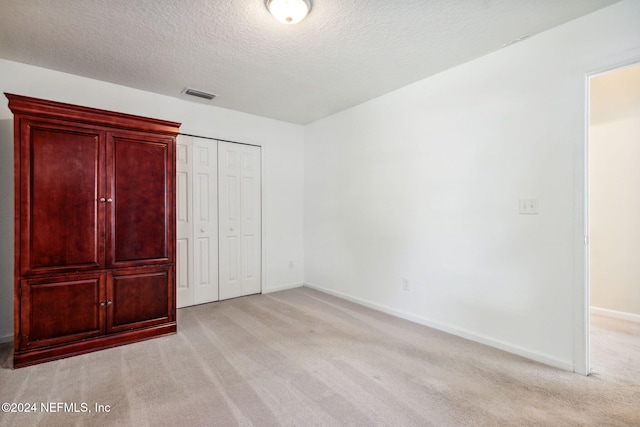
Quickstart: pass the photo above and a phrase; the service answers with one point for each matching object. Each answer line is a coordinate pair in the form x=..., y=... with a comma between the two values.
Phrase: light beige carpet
x=303, y=358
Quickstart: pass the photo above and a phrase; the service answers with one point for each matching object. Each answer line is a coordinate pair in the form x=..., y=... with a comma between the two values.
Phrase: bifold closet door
x=184, y=221
x=205, y=220
x=197, y=221
x=239, y=213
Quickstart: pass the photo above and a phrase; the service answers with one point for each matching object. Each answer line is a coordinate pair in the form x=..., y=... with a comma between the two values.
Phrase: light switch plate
x=528, y=206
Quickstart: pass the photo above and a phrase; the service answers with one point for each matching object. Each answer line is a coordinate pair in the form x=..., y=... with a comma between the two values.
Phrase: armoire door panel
x=61, y=309
x=141, y=172
x=139, y=298
x=64, y=218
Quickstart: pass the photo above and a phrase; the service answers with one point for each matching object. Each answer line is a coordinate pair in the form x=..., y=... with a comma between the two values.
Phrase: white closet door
x=240, y=228
x=184, y=222
x=205, y=215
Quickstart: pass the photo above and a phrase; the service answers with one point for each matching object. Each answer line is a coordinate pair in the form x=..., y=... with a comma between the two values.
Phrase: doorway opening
x=613, y=213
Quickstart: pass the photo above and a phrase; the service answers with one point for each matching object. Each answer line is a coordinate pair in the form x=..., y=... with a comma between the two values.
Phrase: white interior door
x=240, y=228
x=205, y=231
x=184, y=222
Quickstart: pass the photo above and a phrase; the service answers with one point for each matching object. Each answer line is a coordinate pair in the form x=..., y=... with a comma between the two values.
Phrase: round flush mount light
x=289, y=11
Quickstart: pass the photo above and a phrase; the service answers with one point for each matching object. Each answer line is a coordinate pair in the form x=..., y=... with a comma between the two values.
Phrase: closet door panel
x=142, y=173
x=240, y=220
x=205, y=208
x=61, y=169
x=229, y=220
x=184, y=221
x=251, y=218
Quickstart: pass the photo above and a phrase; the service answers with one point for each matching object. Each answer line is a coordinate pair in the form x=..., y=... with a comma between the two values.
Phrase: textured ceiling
x=344, y=53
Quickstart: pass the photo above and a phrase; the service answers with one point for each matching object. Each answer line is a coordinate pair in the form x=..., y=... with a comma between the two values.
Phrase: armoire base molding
x=62, y=351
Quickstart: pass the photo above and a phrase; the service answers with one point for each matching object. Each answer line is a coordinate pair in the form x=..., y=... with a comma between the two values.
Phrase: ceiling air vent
x=199, y=93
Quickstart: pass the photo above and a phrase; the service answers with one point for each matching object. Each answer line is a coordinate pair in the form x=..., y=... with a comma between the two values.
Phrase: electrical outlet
x=405, y=284
x=291, y=264
x=528, y=206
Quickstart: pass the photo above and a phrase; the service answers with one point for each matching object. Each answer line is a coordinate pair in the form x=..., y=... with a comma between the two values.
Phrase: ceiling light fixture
x=288, y=11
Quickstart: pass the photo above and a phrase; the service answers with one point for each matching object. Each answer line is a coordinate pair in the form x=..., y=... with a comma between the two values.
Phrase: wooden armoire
x=94, y=229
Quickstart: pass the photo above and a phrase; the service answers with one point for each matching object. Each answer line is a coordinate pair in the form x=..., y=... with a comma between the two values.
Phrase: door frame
x=582, y=318
x=263, y=198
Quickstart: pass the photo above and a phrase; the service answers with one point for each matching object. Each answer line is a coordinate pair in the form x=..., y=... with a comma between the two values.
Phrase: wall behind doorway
x=614, y=191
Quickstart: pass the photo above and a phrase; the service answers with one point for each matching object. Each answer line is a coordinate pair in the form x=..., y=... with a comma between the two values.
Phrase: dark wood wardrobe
x=94, y=229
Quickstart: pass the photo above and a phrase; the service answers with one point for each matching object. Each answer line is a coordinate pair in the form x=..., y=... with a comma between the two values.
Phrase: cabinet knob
x=102, y=199
x=102, y=304
x=109, y=200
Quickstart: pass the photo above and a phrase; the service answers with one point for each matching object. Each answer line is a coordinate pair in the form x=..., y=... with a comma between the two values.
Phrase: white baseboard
x=282, y=288
x=617, y=314
x=6, y=338
x=566, y=365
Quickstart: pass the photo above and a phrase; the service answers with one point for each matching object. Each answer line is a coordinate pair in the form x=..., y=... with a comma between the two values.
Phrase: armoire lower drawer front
x=141, y=297
x=60, y=309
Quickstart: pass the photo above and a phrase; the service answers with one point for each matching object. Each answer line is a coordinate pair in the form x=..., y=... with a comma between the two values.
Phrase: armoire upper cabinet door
x=60, y=192
x=140, y=175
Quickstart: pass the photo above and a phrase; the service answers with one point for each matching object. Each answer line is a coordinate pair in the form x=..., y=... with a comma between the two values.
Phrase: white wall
x=614, y=196
x=423, y=183
x=282, y=161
